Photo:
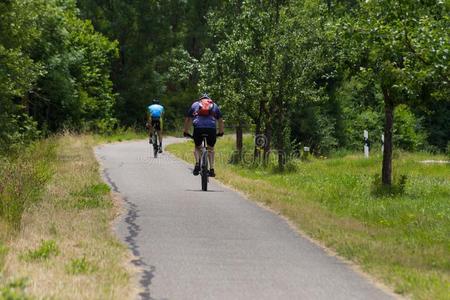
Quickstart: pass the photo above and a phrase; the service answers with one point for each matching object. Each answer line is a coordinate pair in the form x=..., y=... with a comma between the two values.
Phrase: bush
x=24, y=177
x=408, y=132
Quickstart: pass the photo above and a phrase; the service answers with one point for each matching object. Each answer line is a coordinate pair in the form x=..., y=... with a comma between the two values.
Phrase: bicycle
x=204, y=169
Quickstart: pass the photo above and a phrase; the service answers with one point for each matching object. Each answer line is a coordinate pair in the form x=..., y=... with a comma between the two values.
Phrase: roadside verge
x=65, y=248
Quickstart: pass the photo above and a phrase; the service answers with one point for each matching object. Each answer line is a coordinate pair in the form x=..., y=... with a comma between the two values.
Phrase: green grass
x=14, y=290
x=79, y=266
x=401, y=236
x=93, y=196
x=120, y=135
x=43, y=252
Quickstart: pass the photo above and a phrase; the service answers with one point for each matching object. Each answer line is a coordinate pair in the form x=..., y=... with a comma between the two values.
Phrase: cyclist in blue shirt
x=154, y=116
x=205, y=115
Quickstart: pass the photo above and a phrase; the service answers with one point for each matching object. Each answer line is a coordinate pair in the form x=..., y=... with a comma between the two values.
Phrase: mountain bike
x=204, y=162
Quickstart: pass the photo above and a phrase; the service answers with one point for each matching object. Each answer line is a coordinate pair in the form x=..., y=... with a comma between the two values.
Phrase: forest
x=313, y=73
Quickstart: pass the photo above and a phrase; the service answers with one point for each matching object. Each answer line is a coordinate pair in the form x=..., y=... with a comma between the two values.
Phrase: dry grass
x=76, y=215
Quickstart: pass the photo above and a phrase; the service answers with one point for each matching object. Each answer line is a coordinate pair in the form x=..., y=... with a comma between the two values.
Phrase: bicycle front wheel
x=204, y=182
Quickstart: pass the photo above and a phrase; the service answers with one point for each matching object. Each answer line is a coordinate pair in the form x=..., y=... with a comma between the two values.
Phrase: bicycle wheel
x=204, y=171
x=155, y=146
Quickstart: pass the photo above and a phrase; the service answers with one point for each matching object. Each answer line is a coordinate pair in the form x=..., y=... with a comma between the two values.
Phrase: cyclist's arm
x=148, y=120
x=221, y=125
x=187, y=124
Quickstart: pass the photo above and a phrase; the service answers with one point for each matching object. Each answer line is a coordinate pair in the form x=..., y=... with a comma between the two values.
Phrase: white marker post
x=366, y=143
x=382, y=143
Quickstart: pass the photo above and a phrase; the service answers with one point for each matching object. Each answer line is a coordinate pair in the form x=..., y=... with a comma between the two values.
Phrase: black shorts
x=156, y=124
x=210, y=139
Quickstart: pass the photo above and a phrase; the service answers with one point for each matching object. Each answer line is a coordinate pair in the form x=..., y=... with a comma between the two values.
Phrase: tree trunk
x=256, y=152
x=239, y=142
x=386, y=172
x=266, y=156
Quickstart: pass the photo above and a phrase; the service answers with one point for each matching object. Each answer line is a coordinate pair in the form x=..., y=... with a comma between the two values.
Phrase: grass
x=24, y=178
x=401, y=237
x=43, y=252
x=63, y=243
x=79, y=266
x=120, y=135
x=14, y=290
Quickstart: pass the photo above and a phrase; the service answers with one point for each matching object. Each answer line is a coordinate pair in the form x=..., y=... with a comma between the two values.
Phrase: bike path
x=214, y=245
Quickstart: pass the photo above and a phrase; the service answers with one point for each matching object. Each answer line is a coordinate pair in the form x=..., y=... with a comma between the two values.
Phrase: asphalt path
x=191, y=244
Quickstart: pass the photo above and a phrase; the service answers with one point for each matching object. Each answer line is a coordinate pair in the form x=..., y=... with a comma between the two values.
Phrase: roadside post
x=305, y=153
x=366, y=144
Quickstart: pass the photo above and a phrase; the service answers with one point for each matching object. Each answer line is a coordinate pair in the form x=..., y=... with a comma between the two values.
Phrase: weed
x=14, y=290
x=3, y=253
x=92, y=197
x=396, y=189
x=52, y=230
x=80, y=266
x=44, y=252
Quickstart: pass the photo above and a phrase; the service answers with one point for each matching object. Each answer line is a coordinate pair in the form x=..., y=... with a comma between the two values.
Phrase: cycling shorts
x=210, y=139
x=156, y=124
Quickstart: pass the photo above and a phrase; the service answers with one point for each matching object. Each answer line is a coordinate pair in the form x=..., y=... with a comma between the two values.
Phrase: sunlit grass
x=65, y=247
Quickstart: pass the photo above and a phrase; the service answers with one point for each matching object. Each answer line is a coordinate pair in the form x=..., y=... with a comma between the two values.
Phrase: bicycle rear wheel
x=155, y=145
x=204, y=171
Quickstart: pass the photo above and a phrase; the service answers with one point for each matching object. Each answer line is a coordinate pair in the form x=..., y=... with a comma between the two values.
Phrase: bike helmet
x=204, y=96
x=155, y=101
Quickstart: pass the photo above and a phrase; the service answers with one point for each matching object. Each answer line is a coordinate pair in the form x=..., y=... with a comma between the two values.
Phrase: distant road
x=217, y=244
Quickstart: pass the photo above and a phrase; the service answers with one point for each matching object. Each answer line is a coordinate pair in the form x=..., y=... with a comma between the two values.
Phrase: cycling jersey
x=204, y=121
x=155, y=111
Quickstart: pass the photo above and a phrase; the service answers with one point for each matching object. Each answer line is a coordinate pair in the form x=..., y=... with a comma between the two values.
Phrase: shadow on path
x=148, y=271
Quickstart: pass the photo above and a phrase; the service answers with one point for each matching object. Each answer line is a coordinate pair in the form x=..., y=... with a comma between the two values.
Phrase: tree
x=402, y=47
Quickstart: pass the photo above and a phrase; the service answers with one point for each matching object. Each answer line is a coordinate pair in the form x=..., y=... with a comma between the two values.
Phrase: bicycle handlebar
x=187, y=134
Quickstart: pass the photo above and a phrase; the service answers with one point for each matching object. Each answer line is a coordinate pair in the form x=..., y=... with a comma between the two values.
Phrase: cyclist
x=154, y=116
x=204, y=114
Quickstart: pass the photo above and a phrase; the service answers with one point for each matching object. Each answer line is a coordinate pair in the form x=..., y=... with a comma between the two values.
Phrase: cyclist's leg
x=211, y=141
x=150, y=132
x=211, y=156
x=160, y=137
x=197, y=149
x=198, y=144
x=157, y=127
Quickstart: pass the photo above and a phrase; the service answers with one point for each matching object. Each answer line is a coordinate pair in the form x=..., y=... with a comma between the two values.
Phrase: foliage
x=54, y=71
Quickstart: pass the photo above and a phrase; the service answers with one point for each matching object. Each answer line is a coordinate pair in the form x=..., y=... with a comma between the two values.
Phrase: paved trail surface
x=216, y=244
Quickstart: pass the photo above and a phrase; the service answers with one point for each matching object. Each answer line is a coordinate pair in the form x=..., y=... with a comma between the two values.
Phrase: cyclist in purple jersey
x=205, y=115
